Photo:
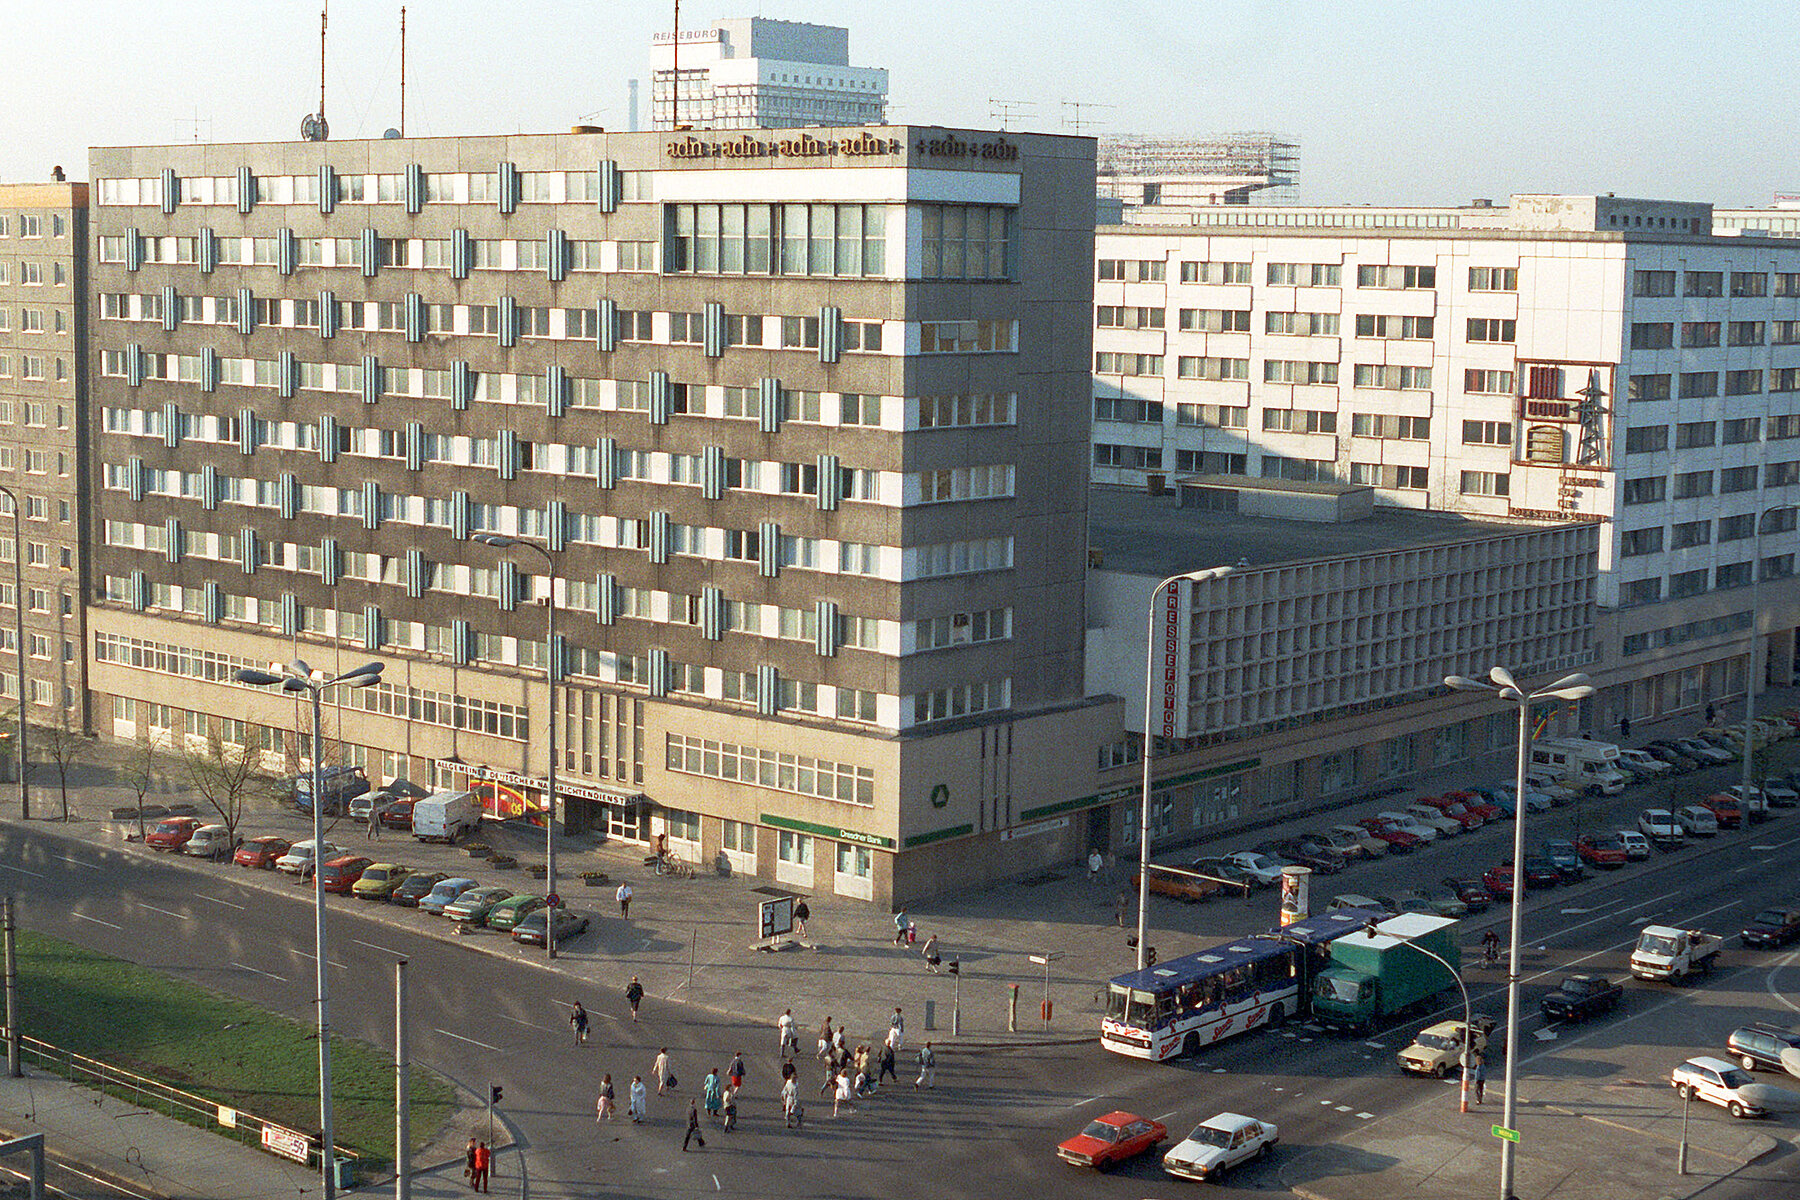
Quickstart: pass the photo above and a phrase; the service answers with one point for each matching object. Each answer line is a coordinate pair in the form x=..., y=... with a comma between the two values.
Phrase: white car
x=1219, y=1144
x=1717, y=1082
x=1779, y=794
x=1265, y=870
x=1696, y=821
x=1424, y=814
x=1754, y=801
x=1407, y=823
x=1659, y=824
x=1637, y=847
x=1641, y=763
x=300, y=859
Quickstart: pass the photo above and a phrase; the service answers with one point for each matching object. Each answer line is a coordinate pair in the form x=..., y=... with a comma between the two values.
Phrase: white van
x=1697, y=821
x=446, y=816
x=1587, y=765
x=1637, y=848
x=211, y=841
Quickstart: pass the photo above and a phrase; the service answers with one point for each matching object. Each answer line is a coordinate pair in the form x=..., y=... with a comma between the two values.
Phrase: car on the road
x=261, y=852
x=1354, y=900
x=1717, y=1082
x=473, y=906
x=362, y=807
x=1475, y=802
x=1541, y=872
x=1601, y=849
x=396, y=814
x=1218, y=1144
x=1265, y=870
x=1579, y=997
x=1552, y=786
x=1779, y=793
x=1439, y=1048
x=1457, y=811
x=1565, y=858
x=1433, y=900
x=1725, y=810
x=300, y=855
x=445, y=893
x=341, y=873
x=380, y=880
x=530, y=929
x=1697, y=821
x=211, y=841
x=1752, y=801
x=1772, y=927
x=1535, y=801
x=1110, y=1140
x=1637, y=846
x=508, y=912
x=172, y=833
x=1470, y=890
x=1661, y=827
x=415, y=887
x=1355, y=835
x=1225, y=869
x=1179, y=884
x=1760, y=1046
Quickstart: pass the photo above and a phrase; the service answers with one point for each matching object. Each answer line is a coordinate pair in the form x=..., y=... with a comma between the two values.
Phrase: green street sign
x=1505, y=1134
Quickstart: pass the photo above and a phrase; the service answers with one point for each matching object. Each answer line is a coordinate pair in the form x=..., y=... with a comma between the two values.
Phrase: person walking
x=735, y=1072
x=887, y=1066
x=831, y=1078
x=639, y=1098
x=665, y=1076
x=624, y=897
x=839, y=1048
x=932, y=957
x=1625, y=726
x=825, y=1042
x=1121, y=906
x=900, y=924
x=802, y=915
x=790, y=1041
x=634, y=994
x=896, y=1029
x=709, y=1092
x=1712, y=714
x=1095, y=862
x=1480, y=1077
x=730, y=1109
x=373, y=832
x=693, y=1128
x=469, y=1164
x=927, y=1067
x=603, y=1111
x=790, y=1101
x=578, y=1020
x=841, y=1095
x=484, y=1160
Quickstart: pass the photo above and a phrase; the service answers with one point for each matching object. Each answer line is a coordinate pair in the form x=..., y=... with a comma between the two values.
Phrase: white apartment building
x=1566, y=359
x=754, y=73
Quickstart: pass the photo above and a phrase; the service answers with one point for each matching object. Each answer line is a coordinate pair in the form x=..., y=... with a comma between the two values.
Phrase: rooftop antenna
x=402, y=70
x=675, y=72
x=1072, y=114
x=312, y=126
x=1003, y=110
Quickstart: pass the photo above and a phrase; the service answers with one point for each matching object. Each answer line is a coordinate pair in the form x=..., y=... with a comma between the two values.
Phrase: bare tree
x=63, y=744
x=139, y=773
x=225, y=775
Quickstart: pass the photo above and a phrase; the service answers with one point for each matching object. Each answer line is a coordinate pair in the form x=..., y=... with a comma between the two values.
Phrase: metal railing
x=145, y=1092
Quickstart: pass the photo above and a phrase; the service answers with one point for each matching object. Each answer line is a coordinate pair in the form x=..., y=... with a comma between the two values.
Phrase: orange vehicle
x=340, y=874
x=1179, y=884
x=1725, y=809
x=172, y=833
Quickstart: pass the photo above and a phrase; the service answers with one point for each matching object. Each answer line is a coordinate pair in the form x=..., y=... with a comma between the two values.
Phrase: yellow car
x=380, y=880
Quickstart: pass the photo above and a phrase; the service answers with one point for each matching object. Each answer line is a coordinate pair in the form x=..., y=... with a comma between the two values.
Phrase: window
x=1113, y=316
x=1484, y=483
x=1305, y=274
x=1214, y=320
x=1787, y=283
x=1301, y=324
x=1127, y=409
x=1693, y=485
x=1683, y=584
x=1653, y=283
x=972, y=241
x=1648, y=387
x=1493, y=279
x=1190, y=367
x=1692, y=435
x=1737, y=479
x=1376, y=475
x=1749, y=283
x=1743, y=383
x=1685, y=534
x=1699, y=384
x=1636, y=542
x=1215, y=272
x=1488, y=383
x=1784, y=379
x=1376, y=425
x=1299, y=420
x=1648, y=490
x=1392, y=378
x=1652, y=335
x=1369, y=325
x=1134, y=458
x=1214, y=416
x=1107, y=362
x=1746, y=333
x=971, y=337
x=1277, y=370
x=1737, y=527
x=1396, y=277
x=1640, y=591
x=1647, y=439
x=1787, y=333
x=1702, y=283
x=1487, y=433
x=1695, y=334
x=1492, y=329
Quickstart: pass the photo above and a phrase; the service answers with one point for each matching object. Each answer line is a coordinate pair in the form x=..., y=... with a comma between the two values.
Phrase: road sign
x=553, y=900
x=1505, y=1134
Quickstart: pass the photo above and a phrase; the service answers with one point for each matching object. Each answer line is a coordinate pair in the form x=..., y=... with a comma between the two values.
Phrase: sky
x=1399, y=102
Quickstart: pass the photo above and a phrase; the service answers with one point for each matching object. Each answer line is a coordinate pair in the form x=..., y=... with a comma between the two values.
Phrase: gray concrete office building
x=801, y=419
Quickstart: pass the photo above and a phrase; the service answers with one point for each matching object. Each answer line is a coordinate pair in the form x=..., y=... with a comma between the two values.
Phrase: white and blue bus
x=1183, y=1005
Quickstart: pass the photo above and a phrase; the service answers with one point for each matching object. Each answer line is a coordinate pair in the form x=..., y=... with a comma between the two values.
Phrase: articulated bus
x=1182, y=1005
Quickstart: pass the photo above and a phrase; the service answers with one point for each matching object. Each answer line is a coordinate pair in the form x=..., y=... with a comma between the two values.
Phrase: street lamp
x=18, y=634
x=1174, y=672
x=1500, y=682
x=500, y=542
x=298, y=677
x=1468, y=1013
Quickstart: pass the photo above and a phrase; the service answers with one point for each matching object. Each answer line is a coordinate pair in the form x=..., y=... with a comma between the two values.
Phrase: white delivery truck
x=446, y=816
x=1586, y=765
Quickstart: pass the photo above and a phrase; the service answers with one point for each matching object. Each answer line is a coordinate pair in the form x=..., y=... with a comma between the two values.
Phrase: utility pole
x=12, y=993
x=402, y=1102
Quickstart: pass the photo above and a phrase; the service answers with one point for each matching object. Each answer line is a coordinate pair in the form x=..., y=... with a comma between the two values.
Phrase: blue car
x=444, y=895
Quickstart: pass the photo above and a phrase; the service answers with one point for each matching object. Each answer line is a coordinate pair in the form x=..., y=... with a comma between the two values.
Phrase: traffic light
x=1150, y=956
x=496, y=1094
x=955, y=967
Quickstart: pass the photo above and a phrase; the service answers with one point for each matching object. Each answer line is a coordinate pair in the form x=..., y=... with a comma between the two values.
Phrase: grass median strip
x=225, y=1049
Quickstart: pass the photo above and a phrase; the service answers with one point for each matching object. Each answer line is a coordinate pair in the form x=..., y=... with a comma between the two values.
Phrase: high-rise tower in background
x=752, y=73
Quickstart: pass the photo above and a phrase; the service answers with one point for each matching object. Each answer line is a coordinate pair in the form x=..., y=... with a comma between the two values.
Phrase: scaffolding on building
x=1223, y=169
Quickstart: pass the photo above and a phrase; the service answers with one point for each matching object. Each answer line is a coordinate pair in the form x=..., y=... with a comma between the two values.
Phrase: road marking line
x=459, y=1037
x=315, y=958
x=526, y=1024
x=1167, y=1115
x=1769, y=982
x=1326, y=1103
x=246, y=967
x=716, y=1186
x=165, y=912
x=1341, y=1107
x=373, y=946
x=1365, y=1116
x=216, y=900
x=22, y=870
x=95, y=920
x=77, y=861
x=1079, y=1103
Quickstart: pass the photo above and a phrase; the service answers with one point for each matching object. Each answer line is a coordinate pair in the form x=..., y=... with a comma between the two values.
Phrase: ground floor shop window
x=794, y=858
x=855, y=871
x=737, y=841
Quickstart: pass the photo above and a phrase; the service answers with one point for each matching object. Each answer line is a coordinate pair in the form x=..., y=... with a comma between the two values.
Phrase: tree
x=225, y=775
x=139, y=773
x=63, y=744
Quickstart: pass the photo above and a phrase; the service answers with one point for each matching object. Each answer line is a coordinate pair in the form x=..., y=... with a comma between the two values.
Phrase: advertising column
x=1296, y=897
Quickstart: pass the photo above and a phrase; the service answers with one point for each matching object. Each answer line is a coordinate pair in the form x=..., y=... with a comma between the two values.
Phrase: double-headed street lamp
x=1174, y=679
x=1501, y=683
x=298, y=677
x=19, y=633
x=501, y=542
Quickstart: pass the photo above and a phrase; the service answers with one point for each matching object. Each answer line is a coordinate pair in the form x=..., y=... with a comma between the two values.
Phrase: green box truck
x=1374, y=977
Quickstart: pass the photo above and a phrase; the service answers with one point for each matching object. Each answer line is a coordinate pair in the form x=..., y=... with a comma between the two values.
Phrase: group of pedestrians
x=853, y=1074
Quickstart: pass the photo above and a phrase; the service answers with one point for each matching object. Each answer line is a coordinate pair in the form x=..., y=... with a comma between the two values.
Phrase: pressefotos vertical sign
x=1170, y=631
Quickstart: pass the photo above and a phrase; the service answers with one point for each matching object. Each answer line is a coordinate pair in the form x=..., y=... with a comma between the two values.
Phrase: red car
x=397, y=814
x=1399, y=841
x=1471, y=820
x=1601, y=849
x=261, y=852
x=1110, y=1140
x=172, y=834
x=1498, y=881
x=340, y=874
x=1476, y=805
x=1724, y=809
x=1472, y=892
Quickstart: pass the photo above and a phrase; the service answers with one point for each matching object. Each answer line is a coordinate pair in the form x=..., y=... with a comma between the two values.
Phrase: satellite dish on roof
x=390, y=133
x=313, y=128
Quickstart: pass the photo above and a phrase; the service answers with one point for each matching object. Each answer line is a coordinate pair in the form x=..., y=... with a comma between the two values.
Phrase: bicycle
x=669, y=864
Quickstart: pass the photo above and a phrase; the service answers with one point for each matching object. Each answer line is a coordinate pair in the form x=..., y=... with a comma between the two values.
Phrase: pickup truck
x=1579, y=997
x=1673, y=954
